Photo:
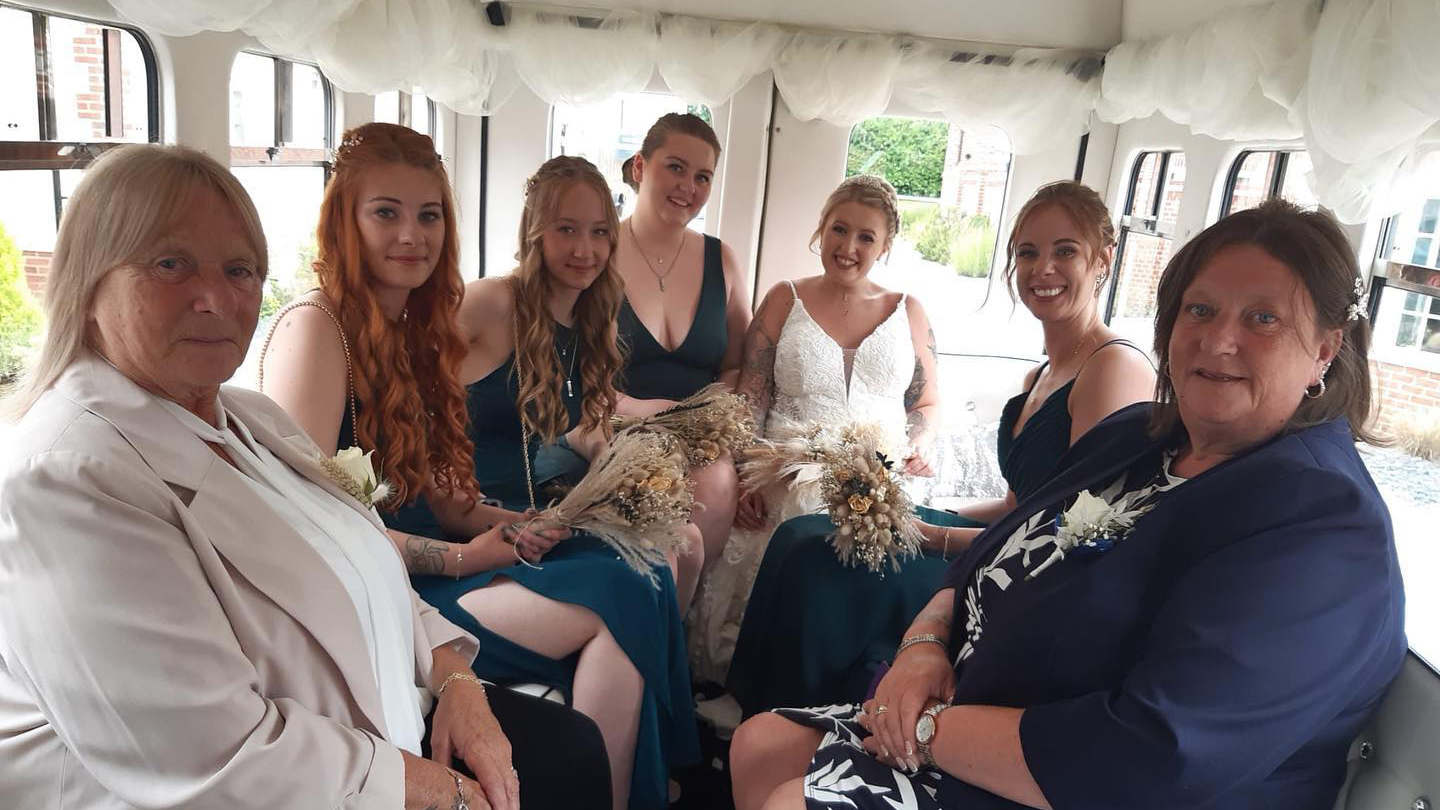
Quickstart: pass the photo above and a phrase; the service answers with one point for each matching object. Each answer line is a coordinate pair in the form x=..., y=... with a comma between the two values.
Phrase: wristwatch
x=925, y=729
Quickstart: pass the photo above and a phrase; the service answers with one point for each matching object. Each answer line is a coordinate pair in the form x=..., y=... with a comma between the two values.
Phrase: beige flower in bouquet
x=636, y=498
x=872, y=513
x=858, y=486
x=709, y=423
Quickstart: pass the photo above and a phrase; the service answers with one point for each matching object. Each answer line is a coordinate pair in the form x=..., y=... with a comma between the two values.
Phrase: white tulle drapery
x=567, y=60
x=1041, y=99
x=1235, y=77
x=708, y=61
x=1368, y=109
x=474, y=76
x=840, y=78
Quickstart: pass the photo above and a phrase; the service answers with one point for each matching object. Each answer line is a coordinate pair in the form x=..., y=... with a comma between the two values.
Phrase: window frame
x=1232, y=176
x=278, y=154
x=49, y=154
x=1146, y=225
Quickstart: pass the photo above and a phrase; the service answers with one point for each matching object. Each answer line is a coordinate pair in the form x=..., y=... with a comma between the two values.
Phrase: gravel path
x=1403, y=479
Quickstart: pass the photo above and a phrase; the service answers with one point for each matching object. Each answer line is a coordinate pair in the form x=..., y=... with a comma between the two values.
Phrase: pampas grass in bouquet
x=858, y=487
x=872, y=513
x=710, y=423
x=635, y=497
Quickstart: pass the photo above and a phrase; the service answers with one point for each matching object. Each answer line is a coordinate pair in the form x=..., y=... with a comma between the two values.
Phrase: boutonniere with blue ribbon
x=1092, y=526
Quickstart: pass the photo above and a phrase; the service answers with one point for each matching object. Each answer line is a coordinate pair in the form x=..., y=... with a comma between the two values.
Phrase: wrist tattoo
x=424, y=556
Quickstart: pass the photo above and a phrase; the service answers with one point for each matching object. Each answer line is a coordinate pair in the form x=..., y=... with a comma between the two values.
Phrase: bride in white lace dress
x=831, y=348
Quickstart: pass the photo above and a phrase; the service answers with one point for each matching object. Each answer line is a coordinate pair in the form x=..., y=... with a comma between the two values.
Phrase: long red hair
x=412, y=404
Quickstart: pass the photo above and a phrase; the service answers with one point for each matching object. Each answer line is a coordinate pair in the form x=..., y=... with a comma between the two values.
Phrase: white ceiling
x=1090, y=24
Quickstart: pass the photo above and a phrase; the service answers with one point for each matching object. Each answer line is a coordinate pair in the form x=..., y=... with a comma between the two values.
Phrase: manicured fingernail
x=914, y=766
x=884, y=752
x=909, y=749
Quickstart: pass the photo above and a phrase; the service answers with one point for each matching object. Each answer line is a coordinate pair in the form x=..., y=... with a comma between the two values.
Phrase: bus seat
x=1395, y=762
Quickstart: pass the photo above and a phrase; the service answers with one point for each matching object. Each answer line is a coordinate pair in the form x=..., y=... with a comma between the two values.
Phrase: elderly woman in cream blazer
x=193, y=612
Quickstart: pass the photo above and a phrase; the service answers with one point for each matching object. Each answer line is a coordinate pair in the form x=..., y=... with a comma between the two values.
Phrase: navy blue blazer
x=1223, y=655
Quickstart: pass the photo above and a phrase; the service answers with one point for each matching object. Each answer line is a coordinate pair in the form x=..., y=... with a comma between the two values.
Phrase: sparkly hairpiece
x=1359, y=309
x=346, y=145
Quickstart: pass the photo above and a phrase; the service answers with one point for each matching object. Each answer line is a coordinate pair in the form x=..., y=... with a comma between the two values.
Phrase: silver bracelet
x=920, y=638
x=460, y=803
x=459, y=556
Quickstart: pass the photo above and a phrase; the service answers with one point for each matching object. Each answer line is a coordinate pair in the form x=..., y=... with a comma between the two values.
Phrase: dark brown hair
x=1083, y=205
x=1312, y=245
x=682, y=123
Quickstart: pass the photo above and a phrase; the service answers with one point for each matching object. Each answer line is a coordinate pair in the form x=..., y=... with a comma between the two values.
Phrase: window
x=1146, y=240
x=411, y=110
x=69, y=90
x=608, y=133
x=1257, y=176
x=281, y=125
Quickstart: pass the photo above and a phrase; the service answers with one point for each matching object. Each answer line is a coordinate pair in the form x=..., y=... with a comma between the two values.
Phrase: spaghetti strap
x=1122, y=342
x=794, y=296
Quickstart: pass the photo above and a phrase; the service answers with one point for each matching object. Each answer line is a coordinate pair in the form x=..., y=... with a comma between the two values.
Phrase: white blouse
x=360, y=555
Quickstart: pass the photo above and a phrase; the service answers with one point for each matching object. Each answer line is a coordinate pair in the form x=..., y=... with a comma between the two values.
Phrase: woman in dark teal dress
x=542, y=360
x=815, y=631
x=686, y=305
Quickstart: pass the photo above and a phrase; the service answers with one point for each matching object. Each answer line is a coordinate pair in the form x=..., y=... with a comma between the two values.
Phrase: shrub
x=909, y=152
x=914, y=220
x=19, y=316
x=1419, y=438
x=938, y=234
x=278, y=294
x=973, y=247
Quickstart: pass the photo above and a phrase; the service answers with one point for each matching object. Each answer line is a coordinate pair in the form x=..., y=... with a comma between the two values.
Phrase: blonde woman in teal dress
x=817, y=632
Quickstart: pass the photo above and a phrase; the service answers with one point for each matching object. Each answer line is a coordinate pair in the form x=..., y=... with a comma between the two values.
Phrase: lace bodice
x=811, y=383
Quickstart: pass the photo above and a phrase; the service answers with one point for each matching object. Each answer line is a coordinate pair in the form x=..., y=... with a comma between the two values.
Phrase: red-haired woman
x=369, y=360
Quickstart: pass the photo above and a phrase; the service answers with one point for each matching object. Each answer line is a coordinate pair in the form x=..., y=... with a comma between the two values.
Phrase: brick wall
x=90, y=103
x=1404, y=394
x=37, y=267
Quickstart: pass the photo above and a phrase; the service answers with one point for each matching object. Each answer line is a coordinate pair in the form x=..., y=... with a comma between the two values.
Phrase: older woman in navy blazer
x=1199, y=610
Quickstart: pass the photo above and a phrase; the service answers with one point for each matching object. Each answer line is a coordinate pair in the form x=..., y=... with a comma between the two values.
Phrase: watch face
x=925, y=729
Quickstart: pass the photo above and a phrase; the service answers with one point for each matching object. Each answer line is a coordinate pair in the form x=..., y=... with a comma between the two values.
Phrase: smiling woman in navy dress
x=1200, y=609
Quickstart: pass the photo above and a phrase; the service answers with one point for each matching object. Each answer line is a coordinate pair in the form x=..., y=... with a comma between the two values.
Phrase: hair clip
x=1360, y=308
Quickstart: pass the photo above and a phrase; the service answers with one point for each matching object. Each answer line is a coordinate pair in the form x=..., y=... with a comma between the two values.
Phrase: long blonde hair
x=412, y=404
x=128, y=199
x=541, y=376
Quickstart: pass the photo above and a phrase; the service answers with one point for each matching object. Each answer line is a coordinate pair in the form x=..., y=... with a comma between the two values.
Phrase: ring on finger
x=881, y=709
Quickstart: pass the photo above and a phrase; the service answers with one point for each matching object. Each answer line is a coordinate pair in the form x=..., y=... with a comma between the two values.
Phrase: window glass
x=307, y=100
x=952, y=185
x=420, y=109
x=608, y=133
x=19, y=113
x=1253, y=180
x=252, y=100
x=1145, y=244
x=1295, y=186
x=288, y=199
x=1142, y=202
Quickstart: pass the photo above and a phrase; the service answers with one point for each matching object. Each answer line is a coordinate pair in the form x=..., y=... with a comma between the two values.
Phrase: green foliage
x=278, y=294
x=948, y=236
x=19, y=316
x=974, y=247
x=909, y=152
x=702, y=111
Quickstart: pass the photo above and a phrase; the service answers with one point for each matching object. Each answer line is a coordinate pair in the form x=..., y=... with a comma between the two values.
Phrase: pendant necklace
x=570, y=376
x=659, y=277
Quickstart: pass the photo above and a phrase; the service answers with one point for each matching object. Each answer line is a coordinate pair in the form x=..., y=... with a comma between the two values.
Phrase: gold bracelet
x=945, y=554
x=459, y=675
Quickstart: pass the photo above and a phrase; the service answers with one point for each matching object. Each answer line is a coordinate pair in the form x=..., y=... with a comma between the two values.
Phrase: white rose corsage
x=1092, y=525
x=353, y=472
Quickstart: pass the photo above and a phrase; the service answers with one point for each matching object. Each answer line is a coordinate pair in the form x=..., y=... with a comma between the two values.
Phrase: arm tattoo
x=934, y=353
x=915, y=424
x=935, y=615
x=424, y=556
x=757, y=372
x=917, y=385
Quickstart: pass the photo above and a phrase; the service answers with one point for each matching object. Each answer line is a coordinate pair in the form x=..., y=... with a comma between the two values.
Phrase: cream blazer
x=166, y=640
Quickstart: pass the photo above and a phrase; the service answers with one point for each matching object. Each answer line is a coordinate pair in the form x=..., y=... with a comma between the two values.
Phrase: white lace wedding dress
x=815, y=381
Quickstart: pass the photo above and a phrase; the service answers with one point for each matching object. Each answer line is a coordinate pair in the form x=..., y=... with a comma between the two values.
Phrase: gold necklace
x=659, y=277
